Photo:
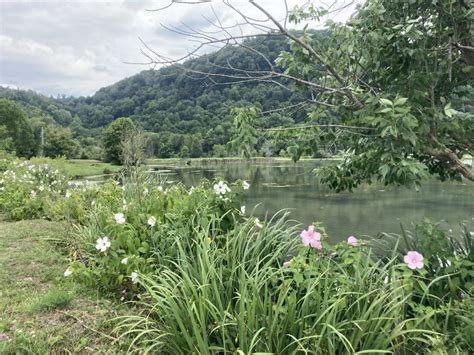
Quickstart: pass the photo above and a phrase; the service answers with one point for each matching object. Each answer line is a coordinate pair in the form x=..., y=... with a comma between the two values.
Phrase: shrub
x=238, y=297
x=27, y=187
x=445, y=286
x=132, y=228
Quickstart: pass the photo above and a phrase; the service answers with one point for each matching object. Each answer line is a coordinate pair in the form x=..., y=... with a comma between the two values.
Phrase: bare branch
x=316, y=126
x=311, y=50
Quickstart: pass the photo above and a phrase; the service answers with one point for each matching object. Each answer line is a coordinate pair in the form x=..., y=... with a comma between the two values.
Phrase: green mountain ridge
x=173, y=106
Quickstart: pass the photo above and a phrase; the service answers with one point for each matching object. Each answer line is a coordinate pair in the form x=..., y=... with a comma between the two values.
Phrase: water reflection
x=367, y=211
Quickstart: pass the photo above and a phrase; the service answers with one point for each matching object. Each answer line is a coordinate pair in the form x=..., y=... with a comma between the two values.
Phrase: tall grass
x=239, y=298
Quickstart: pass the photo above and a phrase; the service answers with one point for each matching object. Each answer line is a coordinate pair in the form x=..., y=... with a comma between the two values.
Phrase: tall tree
x=113, y=137
x=58, y=141
x=392, y=86
x=17, y=128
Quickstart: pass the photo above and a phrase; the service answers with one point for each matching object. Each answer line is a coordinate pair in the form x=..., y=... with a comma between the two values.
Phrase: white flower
x=33, y=194
x=152, y=221
x=257, y=223
x=41, y=188
x=134, y=277
x=160, y=188
x=119, y=218
x=67, y=273
x=145, y=191
x=245, y=185
x=124, y=261
x=68, y=194
x=242, y=209
x=221, y=188
x=191, y=190
x=102, y=244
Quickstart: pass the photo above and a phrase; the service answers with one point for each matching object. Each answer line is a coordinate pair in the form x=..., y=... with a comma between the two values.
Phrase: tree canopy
x=16, y=129
x=392, y=86
x=114, y=136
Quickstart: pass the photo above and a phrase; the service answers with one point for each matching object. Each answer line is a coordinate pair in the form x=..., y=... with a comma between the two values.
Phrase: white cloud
x=77, y=47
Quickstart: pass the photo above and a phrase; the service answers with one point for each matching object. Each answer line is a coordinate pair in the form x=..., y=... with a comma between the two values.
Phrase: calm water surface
x=367, y=211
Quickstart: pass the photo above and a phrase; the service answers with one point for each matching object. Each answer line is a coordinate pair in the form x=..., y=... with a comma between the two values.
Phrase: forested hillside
x=182, y=114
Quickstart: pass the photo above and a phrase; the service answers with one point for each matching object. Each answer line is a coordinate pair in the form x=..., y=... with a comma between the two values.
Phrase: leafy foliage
x=15, y=128
x=113, y=137
x=26, y=188
x=391, y=87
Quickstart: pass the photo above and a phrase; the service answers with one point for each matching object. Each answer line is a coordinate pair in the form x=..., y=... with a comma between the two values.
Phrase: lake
x=366, y=211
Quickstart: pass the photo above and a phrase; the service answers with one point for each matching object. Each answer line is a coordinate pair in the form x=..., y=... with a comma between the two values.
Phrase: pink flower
x=286, y=263
x=352, y=241
x=13, y=328
x=311, y=238
x=414, y=260
x=3, y=336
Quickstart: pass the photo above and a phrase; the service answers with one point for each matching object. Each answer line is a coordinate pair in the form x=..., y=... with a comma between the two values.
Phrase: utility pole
x=42, y=141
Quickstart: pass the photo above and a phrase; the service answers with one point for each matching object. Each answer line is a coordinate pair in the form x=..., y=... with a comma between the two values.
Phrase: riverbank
x=78, y=168
x=42, y=312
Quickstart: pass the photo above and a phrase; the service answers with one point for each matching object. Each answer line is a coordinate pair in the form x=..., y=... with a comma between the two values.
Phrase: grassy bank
x=41, y=311
x=79, y=168
x=211, y=160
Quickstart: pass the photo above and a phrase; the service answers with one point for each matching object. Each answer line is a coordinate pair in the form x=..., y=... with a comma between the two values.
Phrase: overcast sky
x=77, y=47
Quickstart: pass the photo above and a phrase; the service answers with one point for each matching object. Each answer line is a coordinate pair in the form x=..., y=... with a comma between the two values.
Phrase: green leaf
x=386, y=102
x=400, y=101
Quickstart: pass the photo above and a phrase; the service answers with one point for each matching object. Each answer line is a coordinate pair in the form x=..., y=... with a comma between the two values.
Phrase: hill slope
x=179, y=109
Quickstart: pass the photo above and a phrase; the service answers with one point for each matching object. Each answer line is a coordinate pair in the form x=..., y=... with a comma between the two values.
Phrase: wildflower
x=152, y=221
x=33, y=194
x=242, y=209
x=311, y=238
x=41, y=188
x=221, y=188
x=191, y=190
x=68, y=194
x=287, y=263
x=124, y=261
x=67, y=273
x=414, y=260
x=13, y=328
x=134, y=277
x=257, y=223
x=3, y=335
x=245, y=185
x=352, y=241
x=102, y=244
x=160, y=188
x=145, y=191
x=119, y=218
